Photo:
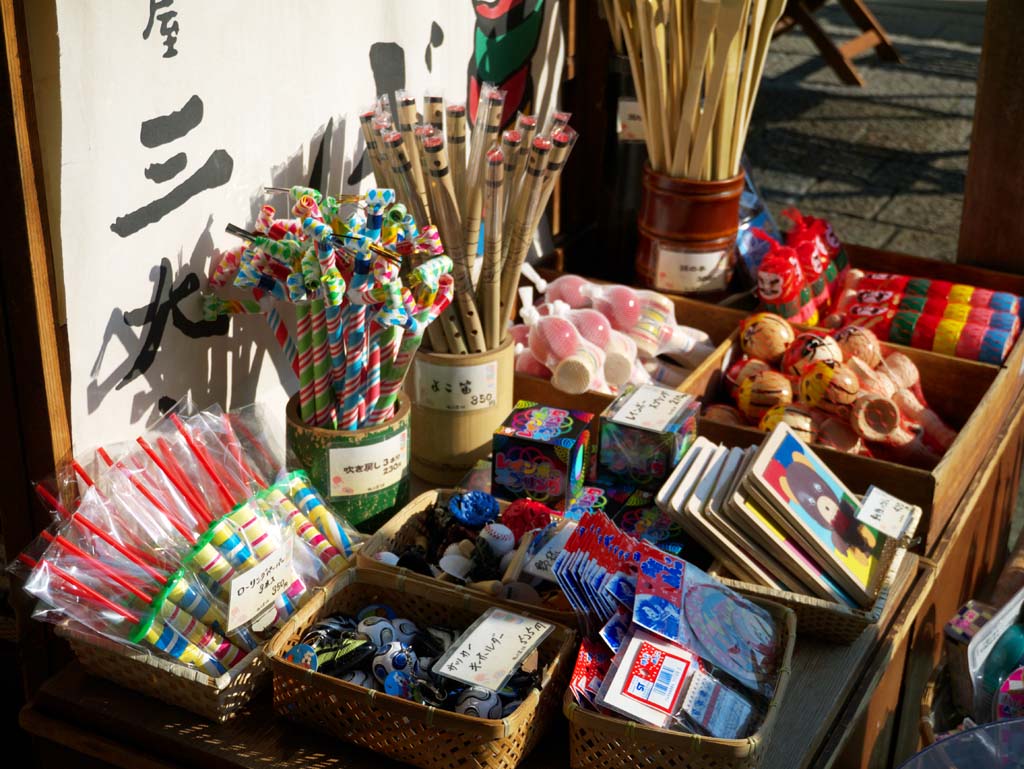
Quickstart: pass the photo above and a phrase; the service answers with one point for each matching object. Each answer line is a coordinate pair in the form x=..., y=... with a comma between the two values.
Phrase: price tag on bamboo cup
x=682, y=270
x=630, y=122
x=456, y=388
x=369, y=467
x=885, y=513
x=252, y=593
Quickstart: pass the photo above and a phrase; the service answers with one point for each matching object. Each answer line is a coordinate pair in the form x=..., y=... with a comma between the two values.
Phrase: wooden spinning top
x=861, y=342
x=766, y=336
x=762, y=391
x=809, y=348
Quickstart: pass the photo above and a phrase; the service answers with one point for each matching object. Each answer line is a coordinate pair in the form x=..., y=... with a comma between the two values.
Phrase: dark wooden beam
x=992, y=228
x=32, y=385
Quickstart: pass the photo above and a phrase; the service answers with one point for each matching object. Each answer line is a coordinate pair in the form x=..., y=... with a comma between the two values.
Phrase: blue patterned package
x=540, y=452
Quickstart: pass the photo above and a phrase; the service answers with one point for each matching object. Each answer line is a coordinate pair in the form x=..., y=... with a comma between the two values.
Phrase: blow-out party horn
x=304, y=351
x=157, y=633
x=394, y=374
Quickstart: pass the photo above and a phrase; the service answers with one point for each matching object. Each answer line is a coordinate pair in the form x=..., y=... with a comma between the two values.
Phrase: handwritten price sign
x=492, y=649
x=253, y=593
x=456, y=388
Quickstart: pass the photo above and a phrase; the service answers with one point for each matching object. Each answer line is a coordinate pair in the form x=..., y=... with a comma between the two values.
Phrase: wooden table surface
x=100, y=719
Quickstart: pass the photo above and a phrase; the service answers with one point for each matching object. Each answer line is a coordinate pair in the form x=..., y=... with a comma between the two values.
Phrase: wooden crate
x=971, y=397
x=961, y=392
x=717, y=322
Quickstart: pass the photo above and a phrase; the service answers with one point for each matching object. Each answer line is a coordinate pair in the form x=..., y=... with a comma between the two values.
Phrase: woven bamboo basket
x=408, y=731
x=825, y=620
x=407, y=524
x=598, y=741
x=215, y=698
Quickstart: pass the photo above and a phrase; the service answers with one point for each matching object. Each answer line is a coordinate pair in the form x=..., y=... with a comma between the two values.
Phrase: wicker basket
x=215, y=698
x=822, y=619
x=404, y=730
x=598, y=741
x=408, y=523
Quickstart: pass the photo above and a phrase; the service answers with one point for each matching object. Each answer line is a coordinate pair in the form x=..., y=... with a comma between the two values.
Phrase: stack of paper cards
x=776, y=516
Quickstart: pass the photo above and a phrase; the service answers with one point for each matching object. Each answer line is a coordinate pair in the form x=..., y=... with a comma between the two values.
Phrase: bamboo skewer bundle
x=697, y=67
x=501, y=180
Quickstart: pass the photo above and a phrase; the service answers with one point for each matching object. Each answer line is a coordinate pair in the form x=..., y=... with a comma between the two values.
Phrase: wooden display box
x=717, y=322
x=971, y=397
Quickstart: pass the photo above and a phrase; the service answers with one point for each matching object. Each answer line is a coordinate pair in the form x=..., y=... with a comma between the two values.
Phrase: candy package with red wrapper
x=782, y=287
x=818, y=233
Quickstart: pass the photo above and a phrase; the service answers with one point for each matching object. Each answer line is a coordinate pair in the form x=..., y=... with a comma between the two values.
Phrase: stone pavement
x=886, y=162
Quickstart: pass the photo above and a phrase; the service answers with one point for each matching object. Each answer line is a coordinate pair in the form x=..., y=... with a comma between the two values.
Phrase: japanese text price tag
x=252, y=593
x=885, y=513
x=456, y=388
x=365, y=469
x=651, y=407
x=492, y=649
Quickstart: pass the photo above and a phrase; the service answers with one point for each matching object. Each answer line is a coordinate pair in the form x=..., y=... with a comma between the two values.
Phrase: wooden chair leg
x=861, y=15
x=831, y=53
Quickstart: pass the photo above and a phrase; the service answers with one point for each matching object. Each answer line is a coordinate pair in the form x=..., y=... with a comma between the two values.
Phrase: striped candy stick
x=323, y=400
x=202, y=635
x=334, y=292
x=180, y=592
x=313, y=506
x=168, y=640
x=302, y=526
x=372, y=387
x=304, y=360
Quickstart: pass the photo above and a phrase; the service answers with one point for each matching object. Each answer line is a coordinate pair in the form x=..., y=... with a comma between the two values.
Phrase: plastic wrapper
x=190, y=543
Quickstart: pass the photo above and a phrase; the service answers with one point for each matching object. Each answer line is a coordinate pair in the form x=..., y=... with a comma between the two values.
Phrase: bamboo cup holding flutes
x=484, y=192
x=696, y=67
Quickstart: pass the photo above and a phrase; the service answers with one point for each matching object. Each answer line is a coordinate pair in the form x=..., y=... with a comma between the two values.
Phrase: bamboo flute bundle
x=501, y=182
x=697, y=67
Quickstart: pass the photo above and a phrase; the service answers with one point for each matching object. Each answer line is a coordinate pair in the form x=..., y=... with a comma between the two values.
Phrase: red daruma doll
x=576, y=364
x=781, y=286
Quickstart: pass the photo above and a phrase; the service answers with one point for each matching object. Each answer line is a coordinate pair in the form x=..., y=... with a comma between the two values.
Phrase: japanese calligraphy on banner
x=176, y=113
x=492, y=649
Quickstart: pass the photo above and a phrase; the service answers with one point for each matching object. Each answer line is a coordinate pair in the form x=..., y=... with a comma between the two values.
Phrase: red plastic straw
x=173, y=519
x=196, y=507
x=87, y=592
x=101, y=567
x=137, y=557
x=204, y=460
x=238, y=490
x=255, y=442
x=81, y=473
x=235, y=447
x=198, y=497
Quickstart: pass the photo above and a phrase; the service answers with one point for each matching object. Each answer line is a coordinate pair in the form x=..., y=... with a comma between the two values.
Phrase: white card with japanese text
x=492, y=649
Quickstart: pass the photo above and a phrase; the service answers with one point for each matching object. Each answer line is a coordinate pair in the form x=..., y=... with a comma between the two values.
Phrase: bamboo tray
x=402, y=530
x=597, y=741
x=218, y=699
x=402, y=729
x=825, y=620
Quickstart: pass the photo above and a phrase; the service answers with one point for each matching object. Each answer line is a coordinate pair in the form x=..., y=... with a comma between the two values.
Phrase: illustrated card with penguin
x=814, y=506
